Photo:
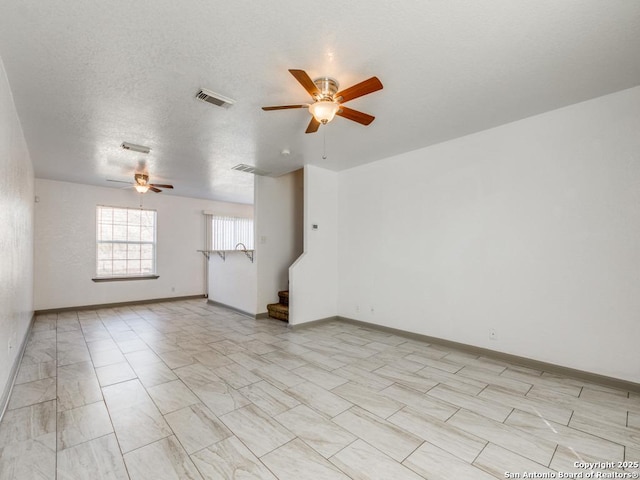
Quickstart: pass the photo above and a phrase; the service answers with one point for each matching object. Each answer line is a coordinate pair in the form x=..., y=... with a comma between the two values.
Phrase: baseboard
x=118, y=304
x=262, y=315
x=13, y=374
x=314, y=323
x=237, y=310
x=507, y=357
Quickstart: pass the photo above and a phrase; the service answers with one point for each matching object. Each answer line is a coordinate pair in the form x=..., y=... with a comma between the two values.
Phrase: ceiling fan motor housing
x=328, y=88
x=141, y=178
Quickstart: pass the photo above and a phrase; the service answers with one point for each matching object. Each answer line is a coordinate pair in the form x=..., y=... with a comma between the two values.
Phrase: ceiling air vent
x=214, y=98
x=243, y=167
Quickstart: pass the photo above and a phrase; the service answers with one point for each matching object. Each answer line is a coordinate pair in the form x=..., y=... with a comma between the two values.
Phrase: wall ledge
x=124, y=279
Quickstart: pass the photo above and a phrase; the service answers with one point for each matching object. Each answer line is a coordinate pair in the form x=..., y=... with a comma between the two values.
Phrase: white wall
x=314, y=276
x=531, y=229
x=65, y=249
x=233, y=281
x=279, y=232
x=16, y=234
x=249, y=287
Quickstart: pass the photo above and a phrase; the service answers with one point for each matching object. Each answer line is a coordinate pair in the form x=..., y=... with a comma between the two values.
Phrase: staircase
x=280, y=310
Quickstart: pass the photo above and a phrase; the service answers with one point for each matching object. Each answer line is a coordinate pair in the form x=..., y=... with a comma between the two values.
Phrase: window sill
x=124, y=279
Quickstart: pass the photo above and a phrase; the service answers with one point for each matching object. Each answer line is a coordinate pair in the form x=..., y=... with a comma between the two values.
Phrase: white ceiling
x=88, y=75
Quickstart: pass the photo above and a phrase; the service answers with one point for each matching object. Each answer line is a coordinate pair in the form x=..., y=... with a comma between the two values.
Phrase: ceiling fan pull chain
x=324, y=143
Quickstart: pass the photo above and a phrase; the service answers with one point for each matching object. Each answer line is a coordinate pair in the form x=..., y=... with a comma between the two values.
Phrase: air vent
x=242, y=167
x=214, y=98
x=135, y=148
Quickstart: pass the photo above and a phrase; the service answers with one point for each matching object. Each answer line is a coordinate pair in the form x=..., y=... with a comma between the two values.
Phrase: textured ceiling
x=88, y=75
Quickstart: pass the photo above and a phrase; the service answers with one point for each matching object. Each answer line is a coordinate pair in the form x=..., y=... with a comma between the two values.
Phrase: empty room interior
x=366, y=240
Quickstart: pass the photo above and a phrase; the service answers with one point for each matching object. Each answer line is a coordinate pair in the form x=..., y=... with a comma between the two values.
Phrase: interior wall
x=233, y=282
x=232, y=279
x=279, y=232
x=16, y=235
x=313, y=292
x=65, y=248
x=529, y=230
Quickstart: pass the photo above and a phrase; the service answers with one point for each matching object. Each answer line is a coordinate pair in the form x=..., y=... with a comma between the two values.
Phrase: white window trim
x=154, y=243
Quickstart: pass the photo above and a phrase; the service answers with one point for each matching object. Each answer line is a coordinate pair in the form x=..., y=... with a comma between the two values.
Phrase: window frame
x=232, y=234
x=99, y=241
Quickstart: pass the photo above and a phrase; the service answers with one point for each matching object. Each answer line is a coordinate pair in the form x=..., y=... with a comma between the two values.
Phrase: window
x=125, y=242
x=229, y=231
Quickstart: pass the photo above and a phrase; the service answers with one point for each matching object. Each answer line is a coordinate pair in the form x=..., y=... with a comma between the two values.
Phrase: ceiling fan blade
x=306, y=82
x=284, y=107
x=355, y=115
x=363, y=88
x=154, y=189
x=160, y=185
x=313, y=126
x=119, y=181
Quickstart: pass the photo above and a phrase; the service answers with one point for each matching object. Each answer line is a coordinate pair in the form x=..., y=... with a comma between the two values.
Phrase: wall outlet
x=372, y=310
x=492, y=334
x=357, y=308
x=11, y=344
x=173, y=289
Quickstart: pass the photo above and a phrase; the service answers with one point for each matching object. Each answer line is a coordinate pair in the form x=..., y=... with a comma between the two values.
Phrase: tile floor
x=186, y=390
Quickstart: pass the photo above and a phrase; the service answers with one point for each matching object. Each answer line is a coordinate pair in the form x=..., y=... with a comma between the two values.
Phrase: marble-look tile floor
x=186, y=390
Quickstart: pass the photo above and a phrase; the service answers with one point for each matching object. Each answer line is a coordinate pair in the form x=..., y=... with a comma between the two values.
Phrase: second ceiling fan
x=142, y=185
x=328, y=101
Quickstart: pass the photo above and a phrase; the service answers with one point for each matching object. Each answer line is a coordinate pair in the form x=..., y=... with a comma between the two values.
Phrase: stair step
x=284, y=297
x=278, y=311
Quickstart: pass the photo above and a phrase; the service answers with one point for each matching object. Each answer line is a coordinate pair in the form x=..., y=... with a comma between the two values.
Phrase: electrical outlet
x=357, y=308
x=372, y=310
x=492, y=334
x=14, y=340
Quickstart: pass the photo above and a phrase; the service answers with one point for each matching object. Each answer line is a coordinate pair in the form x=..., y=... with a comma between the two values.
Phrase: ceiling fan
x=142, y=184
x=328, y=101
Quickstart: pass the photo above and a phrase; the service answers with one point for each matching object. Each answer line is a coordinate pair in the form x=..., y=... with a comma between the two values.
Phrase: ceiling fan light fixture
x=324, y=110
x=142, y=188
x=328, y=100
